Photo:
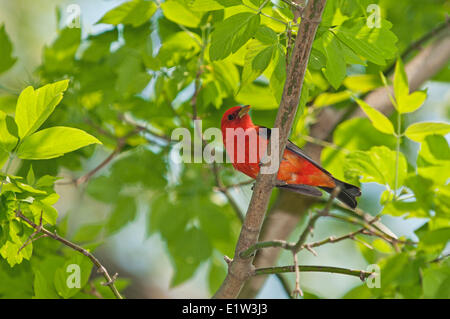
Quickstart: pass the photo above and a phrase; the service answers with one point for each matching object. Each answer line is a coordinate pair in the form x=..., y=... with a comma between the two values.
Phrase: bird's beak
x=243, y=111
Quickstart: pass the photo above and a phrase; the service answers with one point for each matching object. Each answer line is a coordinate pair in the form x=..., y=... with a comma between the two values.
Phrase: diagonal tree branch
x=240, y=269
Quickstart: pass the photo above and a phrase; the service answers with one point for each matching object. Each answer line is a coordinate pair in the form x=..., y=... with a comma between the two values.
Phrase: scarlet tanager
x=297, y=172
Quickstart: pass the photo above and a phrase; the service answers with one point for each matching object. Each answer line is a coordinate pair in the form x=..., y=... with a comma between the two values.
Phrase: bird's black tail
x=347, y=194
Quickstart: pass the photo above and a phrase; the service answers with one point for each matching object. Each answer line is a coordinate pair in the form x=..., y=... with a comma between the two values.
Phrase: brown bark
x=240, y=269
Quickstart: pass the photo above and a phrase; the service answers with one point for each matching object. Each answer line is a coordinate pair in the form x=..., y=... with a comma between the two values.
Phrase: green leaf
x=30, y=176
x=374, y=44
x=434, y=158
x=382, y=246
x=209, y=94
x=16, y=282
x=257, y=58
x=65, y=280
x=135, y=13
x=123, y=213
x=278, y=78
x=132, y=77
x=317, y=60
x=6, y=58
x=266, y=35
x=376, y=165
x=88, y=233
x=205, y=5
x=419, y=131
x=16, y=234
x=104, y=189
x=411, y=102
x=436, y=283
x=378, y=119
x=434, y=240
x=212, y=5
x=54, y=142
x=335, y=68
x=406, y=102
x=8, y=131
x=262, y=59
x=401, y=86
x=260, y=96
x=43, y=289
x=179, y=13
x=362, y=83
x=190, y=248
x=327, y=99
x=232, y=33
x=49, y=214
x=34, y=107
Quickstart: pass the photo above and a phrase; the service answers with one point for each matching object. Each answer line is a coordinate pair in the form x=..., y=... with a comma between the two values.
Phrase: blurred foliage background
x=134, y=68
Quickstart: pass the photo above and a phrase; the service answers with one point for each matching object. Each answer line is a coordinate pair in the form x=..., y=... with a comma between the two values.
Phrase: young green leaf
x=179, y=13
x=327, y=99
x=362, y=83
x=335, y=68
x=73, y=275
x=43, y=289
x=257, y=59
x=401, y=86
x=279, y=76
x=418, y=131
x=35, y=106
x=232, y=33
x=411, y=102
x=54, y=142
x=434, y=158
x=30, y=176
x=374, y=44
x=8, y=140
x=135, y=13
x=378, y=119
x=204, y=5
x=376, y=165
x=6, y=58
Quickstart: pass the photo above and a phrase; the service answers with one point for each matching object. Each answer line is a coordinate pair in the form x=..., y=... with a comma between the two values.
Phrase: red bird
x=297, y=171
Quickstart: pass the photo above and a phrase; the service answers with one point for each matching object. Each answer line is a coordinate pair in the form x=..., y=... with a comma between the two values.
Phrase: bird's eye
x=230, y=117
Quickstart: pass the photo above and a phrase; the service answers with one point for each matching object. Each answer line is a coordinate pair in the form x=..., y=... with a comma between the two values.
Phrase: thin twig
x=109, y=280
x=310, y=268
x=324, y=212
x=224, y=191
x=297, y=290
x=37, y=231
x=441, y=258
x=83, y=179
x=240, y=184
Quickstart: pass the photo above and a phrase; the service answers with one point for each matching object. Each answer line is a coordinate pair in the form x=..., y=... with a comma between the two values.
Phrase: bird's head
x=237, y=116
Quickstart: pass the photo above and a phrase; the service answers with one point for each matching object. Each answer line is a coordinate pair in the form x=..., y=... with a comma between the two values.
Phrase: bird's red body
x=296, y=168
